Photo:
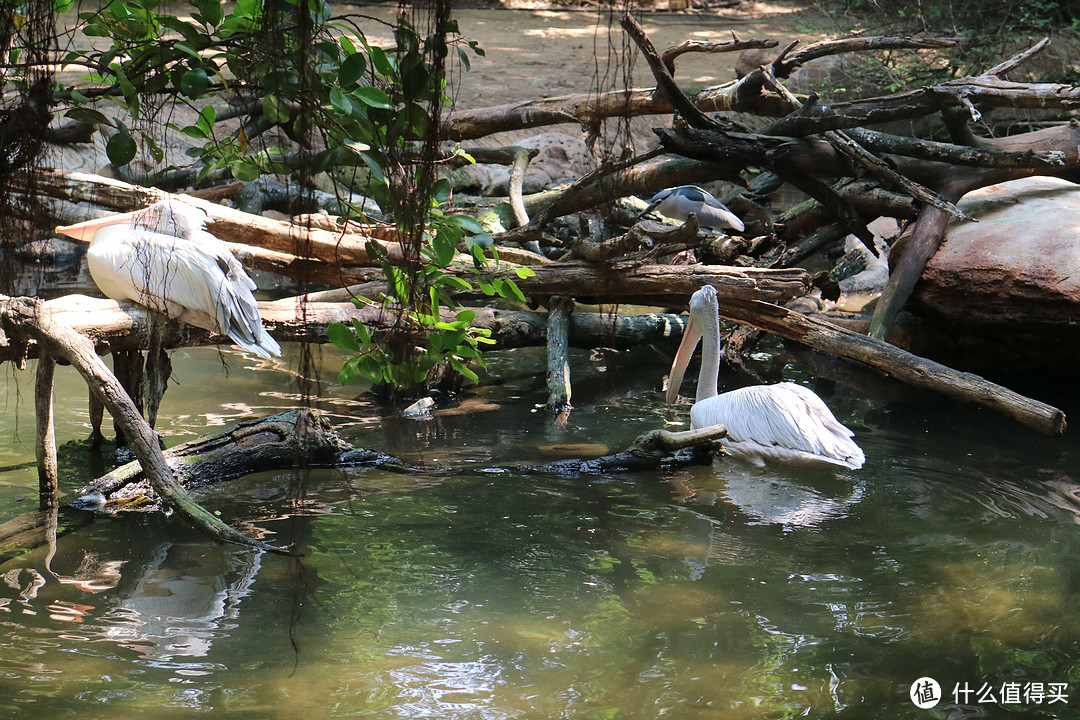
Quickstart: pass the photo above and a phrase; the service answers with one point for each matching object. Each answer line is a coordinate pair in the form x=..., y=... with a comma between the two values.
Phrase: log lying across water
x=115, y=325
x=23, y=319
x=282, y=441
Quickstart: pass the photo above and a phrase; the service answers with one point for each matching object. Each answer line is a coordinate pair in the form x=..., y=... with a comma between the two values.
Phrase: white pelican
x=679, y=202
x=163, y=257
x=783, y=422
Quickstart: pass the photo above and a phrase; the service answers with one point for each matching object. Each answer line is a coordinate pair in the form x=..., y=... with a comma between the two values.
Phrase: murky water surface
x=475, y=592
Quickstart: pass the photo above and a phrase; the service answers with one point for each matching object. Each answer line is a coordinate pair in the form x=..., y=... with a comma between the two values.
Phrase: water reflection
x=773, y=495
x=183, y=600
x=168, y=602
x=723, y=591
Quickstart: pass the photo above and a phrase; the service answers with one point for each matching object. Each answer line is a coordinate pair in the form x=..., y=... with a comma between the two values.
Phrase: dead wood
x=650, y=451
x=274, y=443
x=890, y=360
x=587, y=109
x=558, y=359
x=45, y=446
x=113, y=325
x=659, y=240
x=277, y=442
x=24, y=317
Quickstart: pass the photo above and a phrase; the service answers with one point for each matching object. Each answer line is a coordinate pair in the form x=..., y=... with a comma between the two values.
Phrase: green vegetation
x=365, y=115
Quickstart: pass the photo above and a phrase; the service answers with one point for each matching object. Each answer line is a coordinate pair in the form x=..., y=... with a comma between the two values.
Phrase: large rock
x=1008, y=286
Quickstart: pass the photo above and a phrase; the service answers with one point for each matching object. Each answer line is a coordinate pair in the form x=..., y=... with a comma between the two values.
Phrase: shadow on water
x=723, y=591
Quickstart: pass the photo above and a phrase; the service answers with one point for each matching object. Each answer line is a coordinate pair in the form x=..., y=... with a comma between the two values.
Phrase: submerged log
x=276, y=442
x=652, y=450
x=271, y=443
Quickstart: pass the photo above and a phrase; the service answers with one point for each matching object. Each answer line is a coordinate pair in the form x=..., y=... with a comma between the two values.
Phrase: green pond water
x=473, y=591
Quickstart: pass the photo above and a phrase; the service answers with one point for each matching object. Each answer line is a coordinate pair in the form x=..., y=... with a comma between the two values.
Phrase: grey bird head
x=679, y=202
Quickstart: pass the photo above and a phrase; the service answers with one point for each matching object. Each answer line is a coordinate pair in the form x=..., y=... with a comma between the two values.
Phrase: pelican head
x=679, y=202
x=704, y=320
x=167, y=217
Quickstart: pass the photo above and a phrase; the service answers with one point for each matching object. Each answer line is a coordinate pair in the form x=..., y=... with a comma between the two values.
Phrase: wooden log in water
x=900, y=364
x=24, y=317
x=271, y=443
x=280, y=441
x=119, y=325
x=558, y=360
x=45, y=445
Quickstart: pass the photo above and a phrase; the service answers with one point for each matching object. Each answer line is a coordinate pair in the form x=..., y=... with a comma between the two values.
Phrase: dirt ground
x=534, y=53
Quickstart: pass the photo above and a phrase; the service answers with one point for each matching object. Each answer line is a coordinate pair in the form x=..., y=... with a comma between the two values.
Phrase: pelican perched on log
x=163, y=257
x=679, y=202
x=784, y=422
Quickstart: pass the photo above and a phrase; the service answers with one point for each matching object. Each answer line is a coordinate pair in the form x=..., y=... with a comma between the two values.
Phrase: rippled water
x=466, y=592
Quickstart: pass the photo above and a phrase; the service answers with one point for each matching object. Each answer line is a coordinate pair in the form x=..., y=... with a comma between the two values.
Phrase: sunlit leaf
x=342, y=336
x=373, y=97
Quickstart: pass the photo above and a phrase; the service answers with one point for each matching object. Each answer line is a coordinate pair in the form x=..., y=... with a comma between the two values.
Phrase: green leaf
x=121, y=148
x=342, y=336
x=194, y=132
x=463, y=369
x=88, y=115
x=443, y=250
x=468, y=224
x=194, y=83
x=154, y=149
x=514, y=293
x=456, y=283
x=207, y=118
x=524, y=273
x=464, y=58
x=352, y=69
x=245, y=169
x=361, y=332
x=373, y=97
x=340, y=101
x=375, y=168
x=211, y=12
x=349, y=370
x=192, y=34
x=383, y=64
x=275, y=109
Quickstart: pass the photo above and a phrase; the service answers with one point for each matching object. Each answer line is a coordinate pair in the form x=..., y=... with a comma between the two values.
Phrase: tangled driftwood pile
x=851, y=173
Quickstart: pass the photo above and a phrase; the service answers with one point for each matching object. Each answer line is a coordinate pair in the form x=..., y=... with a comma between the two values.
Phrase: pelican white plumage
x=784, y=422
x=163, y=257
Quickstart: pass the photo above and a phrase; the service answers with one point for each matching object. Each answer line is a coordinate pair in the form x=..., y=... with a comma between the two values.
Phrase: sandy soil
x=532, y=53
x=537, y=53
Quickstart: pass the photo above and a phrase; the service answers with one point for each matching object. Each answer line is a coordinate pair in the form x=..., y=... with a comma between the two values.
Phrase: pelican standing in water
x=784, y=422
x=163, y=257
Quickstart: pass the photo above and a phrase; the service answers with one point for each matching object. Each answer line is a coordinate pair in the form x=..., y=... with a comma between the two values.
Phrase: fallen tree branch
x=897, y=363
x=21, y=316
x=122, y=325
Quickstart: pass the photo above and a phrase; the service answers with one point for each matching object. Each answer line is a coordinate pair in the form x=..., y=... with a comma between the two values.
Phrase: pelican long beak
x=85, y=230
x=690, y=339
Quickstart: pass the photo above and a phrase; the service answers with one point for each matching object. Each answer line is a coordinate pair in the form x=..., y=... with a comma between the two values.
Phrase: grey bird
x=679, y=202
